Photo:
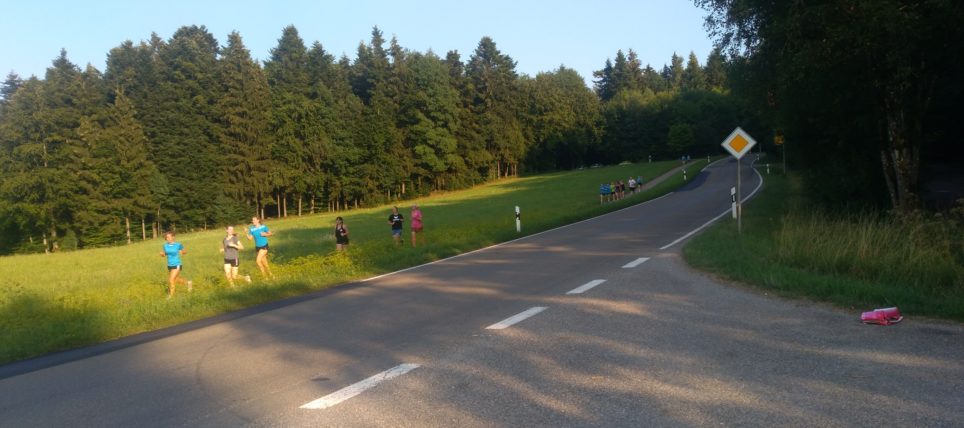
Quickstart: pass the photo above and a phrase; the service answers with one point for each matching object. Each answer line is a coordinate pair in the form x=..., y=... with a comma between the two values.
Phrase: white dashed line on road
x=585, y=287
x=353, y=390
x=516, y=318
x=635, y=263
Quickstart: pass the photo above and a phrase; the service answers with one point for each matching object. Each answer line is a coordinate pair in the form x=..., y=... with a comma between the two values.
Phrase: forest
x=188, y=134
x=866, y=94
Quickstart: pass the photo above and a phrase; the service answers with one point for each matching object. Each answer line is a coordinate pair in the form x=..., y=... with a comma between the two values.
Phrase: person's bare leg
x=227, y=274
x=171, y=281
x=263, y=264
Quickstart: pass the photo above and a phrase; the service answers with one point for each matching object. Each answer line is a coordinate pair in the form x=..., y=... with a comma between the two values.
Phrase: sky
x=539, y=35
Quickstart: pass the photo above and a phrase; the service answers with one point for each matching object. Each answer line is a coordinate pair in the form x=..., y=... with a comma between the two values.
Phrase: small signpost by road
x=518, y=219
x=738, y=143
x=778, y=141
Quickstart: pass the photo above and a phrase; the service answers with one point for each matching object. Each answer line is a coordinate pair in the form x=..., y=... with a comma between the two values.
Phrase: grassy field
x=859, y=261
x=66, y=300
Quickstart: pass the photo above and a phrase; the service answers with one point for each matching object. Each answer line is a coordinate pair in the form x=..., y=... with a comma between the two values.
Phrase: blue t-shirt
x=173, y=252
x=259, y=241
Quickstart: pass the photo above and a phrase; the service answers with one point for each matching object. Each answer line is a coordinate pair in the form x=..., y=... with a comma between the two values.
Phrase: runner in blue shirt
x=173, y=251
x=260, y=234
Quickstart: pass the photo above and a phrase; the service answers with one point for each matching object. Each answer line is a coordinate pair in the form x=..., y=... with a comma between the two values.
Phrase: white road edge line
x=353, y=390
x=586, y=287
x=530, y=236
x=635, y=263
x=516, y=318
x=760, y=184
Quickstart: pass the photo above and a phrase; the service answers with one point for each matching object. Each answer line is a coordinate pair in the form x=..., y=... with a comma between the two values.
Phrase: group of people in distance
x=616, y=190
x=395, y=220
x=259, y=233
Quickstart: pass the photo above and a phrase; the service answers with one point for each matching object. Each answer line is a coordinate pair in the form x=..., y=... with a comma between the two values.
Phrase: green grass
x=66, y=300
x=859, y=261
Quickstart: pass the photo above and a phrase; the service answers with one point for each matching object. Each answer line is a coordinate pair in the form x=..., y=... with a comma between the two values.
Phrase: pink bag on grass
x=884, y=316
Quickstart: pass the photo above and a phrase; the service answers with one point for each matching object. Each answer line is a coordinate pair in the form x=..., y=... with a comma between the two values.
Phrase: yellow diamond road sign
x=738, y=143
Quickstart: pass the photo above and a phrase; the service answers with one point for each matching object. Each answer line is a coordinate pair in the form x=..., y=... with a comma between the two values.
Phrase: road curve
x=601, y=325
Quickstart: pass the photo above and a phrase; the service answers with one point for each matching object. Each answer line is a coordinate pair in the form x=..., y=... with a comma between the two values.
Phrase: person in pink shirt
x=416, y=222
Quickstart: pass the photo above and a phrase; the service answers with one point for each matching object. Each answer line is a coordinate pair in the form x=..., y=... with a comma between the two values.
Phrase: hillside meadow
x=71, y=299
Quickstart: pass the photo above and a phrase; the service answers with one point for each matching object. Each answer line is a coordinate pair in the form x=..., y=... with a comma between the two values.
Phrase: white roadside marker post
x=518, y=219
x=733, y=201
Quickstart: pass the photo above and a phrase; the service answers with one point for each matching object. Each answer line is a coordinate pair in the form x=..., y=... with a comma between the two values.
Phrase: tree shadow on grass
x=33, y=325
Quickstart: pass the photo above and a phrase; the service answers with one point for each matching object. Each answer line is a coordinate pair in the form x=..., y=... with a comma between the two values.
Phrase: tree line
x=186, y=133
x=866, y=93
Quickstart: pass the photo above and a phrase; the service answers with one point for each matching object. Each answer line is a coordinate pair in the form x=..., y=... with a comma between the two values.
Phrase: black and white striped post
x=518, y=219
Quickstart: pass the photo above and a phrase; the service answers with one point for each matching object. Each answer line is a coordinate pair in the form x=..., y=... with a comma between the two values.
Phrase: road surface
x=598, y=323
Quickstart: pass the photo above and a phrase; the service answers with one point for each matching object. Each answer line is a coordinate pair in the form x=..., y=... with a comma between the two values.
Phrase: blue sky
x=538, y=35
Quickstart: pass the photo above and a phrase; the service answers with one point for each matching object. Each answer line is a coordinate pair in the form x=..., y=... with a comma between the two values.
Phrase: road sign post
x=778, y=141
x=738, y=143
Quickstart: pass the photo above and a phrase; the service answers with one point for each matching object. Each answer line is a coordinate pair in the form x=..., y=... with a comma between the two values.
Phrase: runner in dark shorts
x=395, y=220
x=341, y=234
x=230, y=247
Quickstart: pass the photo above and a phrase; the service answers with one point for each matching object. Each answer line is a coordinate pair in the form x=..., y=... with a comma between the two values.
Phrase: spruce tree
x=469, y=134
x=496, y=101
x=693, y=77
x=675, y=72
x=715, y=70
x=301, y=146
x=184, y=140
x=244, y=129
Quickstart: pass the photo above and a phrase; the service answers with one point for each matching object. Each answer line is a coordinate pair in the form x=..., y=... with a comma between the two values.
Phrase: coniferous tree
x=652, y=80
x=675, y=72
x=431, y=116
x=469, y=134
x=23, y=188
x=494, y=87
x=301, y=146
x=10, y=86
x=244, y=133
x=137, y=71
x=715, y=70
x=693, y=78
x=341, y=110
x=634, y=72
x=383, y=166
x=605, y=82
x=121, y=171
x=184, y=139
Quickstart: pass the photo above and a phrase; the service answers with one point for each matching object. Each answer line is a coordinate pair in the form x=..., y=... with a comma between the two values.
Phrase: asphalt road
x=653, y=343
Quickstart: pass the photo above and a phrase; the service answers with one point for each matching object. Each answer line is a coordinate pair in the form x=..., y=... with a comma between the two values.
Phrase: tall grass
x=858, y=261
x=923, y=253
x=65, y=300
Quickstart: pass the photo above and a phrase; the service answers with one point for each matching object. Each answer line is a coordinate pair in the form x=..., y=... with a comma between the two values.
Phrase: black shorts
x=341, y=241
x=174, y=267
x=261, y=248
x=232, y=262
